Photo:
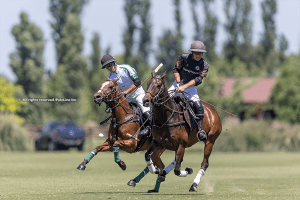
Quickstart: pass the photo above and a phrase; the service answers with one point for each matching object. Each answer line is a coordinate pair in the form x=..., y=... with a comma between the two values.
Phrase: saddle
x=138, y=112
x=187, y=109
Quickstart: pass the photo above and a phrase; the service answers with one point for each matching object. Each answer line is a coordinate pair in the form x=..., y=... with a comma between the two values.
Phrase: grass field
x=54, y=175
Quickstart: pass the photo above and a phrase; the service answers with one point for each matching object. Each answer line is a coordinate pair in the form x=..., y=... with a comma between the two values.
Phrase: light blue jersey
x=127, y=74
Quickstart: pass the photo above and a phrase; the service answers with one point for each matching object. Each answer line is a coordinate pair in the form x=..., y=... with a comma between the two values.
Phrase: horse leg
x=161, y=178
x=161, y=175
x=149, y=161
x=137, y=179
x=179, y=158
x=118, y=160
x=103, y=147
x=207, y=151
x=126, y=145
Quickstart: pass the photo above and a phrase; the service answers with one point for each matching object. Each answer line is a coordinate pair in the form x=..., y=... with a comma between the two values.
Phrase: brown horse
x=171, y=131
x=124, y=124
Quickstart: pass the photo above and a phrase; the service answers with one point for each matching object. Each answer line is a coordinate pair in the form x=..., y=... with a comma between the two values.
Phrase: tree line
x=79, y=77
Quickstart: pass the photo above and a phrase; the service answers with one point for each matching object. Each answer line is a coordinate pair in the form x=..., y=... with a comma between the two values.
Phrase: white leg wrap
x=183, y=173
x=150, y=166
x=170, y=167
x=199, y=176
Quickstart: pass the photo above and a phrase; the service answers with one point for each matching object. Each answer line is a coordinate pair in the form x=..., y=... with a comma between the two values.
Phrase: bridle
x=155, y=98
x=161, y=101
x=113, y=99
x=113, y=90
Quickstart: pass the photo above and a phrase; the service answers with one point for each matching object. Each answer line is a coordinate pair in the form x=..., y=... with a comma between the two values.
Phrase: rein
x=161, y=101
x=114, y=99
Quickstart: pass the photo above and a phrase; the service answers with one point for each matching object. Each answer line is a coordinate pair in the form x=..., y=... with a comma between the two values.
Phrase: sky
x=107, y=18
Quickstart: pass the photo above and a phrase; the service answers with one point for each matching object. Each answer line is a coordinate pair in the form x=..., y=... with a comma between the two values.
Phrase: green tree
x=269, y=58
x=27, y=62
x=96, y=55
x=285, y=98
x=28, y=65
x=234, y=69
x=170, y=46
x=72, y=65
x=233, y=12
x=210, y=30
x=207, y=34
x=97, y=76
x=198, y=33
x=70, y=46
x=246, y=23
x=128, y=36
x=283, y=46
x=178, y=23
x=245, y=47
x=145, y=30
x=269, y=9
x=60, y=9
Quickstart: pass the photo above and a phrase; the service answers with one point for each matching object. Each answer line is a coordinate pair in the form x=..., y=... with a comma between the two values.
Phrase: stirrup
x=145, y=131
x=201, y=135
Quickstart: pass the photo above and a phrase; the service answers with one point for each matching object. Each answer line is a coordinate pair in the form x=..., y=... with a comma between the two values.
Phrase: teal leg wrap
x=116, y=154
x=157, y=185
x=141, y=175
x=91, y=155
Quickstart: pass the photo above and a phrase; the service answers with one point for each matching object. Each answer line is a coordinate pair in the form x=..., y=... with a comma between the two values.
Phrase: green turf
x=49, y=175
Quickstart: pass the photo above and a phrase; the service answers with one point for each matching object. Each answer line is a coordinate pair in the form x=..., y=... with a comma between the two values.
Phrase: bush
x=254, y=135
x=12, y=135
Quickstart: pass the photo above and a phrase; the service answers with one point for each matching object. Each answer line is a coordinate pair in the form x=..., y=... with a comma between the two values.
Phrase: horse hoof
x=131, y=183
x=189, y=170
x=122, y=165
x=158, y=171
x=177, y=172
x=161, y=178
x=81, y=167
x=152, y=191
x=193, y=188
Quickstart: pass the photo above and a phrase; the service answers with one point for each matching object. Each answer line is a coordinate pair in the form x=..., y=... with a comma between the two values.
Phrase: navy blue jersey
x=190, y=69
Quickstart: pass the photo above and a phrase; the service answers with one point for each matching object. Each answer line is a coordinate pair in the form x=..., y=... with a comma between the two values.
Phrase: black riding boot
x=199, y=111
x=147, y=129
x=145, y=132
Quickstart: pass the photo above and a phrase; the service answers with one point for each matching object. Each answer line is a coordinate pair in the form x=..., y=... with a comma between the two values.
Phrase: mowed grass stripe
x=54, y=175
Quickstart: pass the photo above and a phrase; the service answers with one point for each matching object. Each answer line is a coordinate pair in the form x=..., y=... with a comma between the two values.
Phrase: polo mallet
x=134, y=136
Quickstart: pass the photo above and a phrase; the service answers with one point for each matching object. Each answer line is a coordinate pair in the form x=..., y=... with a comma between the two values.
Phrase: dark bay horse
x=124, y=124
x=171, y=131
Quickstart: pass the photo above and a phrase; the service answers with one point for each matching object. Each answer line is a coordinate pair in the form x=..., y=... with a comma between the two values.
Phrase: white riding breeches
x=190, y=93
x=139, y=100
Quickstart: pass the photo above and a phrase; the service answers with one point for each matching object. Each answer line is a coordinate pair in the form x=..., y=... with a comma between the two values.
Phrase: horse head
x=107, y=92
x=155, y=89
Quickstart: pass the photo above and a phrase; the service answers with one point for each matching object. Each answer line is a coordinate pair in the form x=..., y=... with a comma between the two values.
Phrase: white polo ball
x=101, y=135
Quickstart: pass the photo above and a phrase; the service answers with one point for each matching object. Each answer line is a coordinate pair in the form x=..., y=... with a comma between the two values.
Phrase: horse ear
x=107, y=79
x=164, y=74
x=153, y=73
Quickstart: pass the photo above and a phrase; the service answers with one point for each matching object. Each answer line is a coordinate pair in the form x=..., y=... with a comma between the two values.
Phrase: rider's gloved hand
x=177, y=85
x=124, y=94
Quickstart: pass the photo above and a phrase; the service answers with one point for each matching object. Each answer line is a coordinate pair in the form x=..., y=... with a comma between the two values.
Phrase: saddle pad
x=188, y=111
